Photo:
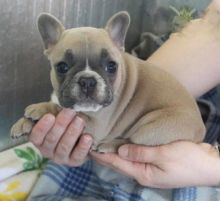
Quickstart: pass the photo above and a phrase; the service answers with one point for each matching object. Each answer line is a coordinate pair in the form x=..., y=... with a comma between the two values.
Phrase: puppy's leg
x=167, y=125
x=33, y=113
x=36, y=111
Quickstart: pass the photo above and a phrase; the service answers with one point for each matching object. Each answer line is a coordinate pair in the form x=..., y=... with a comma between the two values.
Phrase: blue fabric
x=82, y=181
x=76, y=183
x=185, y=194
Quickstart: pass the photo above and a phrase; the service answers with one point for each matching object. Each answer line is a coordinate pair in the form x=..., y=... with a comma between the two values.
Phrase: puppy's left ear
x=117, y=27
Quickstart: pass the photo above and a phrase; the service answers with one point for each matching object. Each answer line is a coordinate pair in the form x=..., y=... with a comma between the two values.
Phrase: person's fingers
x=41, y=129
x=68, y=140
x=80, y=152
x=144, y=173
x=106, y=158
x=62, y=121
x=109, y=159
x=114, y=161
x=138, y=153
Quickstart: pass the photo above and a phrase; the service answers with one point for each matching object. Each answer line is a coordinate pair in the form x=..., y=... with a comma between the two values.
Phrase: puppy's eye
x=111, y=67
x=62, y=67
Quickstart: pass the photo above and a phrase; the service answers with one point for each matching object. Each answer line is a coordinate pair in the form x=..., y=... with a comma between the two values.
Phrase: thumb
x=139, y=153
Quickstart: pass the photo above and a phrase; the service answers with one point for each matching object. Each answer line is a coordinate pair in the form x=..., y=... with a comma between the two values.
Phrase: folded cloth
x=95, y=182
x=19, y=170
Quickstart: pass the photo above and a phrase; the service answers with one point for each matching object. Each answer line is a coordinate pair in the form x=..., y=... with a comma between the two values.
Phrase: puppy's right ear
x=50, y=29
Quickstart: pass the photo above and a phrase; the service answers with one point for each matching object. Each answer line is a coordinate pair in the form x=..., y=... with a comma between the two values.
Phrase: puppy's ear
x=50, y=29
x=117, y=27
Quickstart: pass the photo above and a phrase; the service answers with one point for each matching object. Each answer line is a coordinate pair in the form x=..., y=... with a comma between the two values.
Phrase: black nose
x=87, y=84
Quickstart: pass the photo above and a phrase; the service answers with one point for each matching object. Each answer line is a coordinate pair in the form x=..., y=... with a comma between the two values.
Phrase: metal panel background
x=24, y=71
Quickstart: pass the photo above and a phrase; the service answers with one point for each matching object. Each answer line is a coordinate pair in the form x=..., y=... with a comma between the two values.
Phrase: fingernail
x=69, y=111
x=123, y=151
x=87, y=140
x=78, y=122
x=49, y=118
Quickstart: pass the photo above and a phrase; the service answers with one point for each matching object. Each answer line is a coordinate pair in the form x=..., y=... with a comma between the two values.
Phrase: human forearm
x=192, y=55
x=213, y=172
x=217, y=169
x=218, y=173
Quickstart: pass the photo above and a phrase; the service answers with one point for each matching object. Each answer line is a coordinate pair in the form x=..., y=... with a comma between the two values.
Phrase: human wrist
x=218, y=175
x=218, y=172
x=215, y=172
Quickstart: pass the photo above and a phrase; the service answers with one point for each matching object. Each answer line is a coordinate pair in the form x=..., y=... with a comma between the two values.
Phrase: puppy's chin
x=83, y=107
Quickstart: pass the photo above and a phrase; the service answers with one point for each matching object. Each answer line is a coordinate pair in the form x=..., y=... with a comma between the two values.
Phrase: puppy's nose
x=87, y=84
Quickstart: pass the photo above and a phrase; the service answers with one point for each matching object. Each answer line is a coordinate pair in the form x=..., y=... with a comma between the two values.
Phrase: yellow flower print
x=10, y=194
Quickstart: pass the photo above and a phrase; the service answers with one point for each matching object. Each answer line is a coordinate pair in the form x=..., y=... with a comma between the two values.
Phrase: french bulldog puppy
x=122, y=98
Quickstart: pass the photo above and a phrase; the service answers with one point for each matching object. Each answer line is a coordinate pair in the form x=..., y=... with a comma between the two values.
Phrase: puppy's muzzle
x=87, y=85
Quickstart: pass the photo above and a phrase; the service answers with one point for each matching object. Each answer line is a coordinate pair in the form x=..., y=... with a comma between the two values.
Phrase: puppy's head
x=86, y=62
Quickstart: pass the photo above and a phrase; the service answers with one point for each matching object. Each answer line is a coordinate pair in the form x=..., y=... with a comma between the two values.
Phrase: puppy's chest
x=98, y=128
x=109, y=127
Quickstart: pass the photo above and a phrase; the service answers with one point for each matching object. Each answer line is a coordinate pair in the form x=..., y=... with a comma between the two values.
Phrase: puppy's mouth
x=87, y=107
x=85, y=103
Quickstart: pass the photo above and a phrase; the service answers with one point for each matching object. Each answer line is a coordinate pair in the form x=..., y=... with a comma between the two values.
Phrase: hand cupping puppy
x=178, y=164
x=60, y=139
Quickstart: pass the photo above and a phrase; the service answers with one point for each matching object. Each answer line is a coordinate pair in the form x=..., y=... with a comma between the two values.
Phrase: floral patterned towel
x=20, y=168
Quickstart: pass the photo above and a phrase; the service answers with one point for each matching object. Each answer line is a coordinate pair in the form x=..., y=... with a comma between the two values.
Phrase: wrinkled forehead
x=83, y=43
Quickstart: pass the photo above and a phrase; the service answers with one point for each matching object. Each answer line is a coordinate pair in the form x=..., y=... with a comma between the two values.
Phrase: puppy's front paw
x=36, y=111
x=32, y=113
x=22, y=127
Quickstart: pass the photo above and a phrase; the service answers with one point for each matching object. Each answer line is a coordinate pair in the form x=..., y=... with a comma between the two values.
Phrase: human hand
x=60, y=139
x=178, y=164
